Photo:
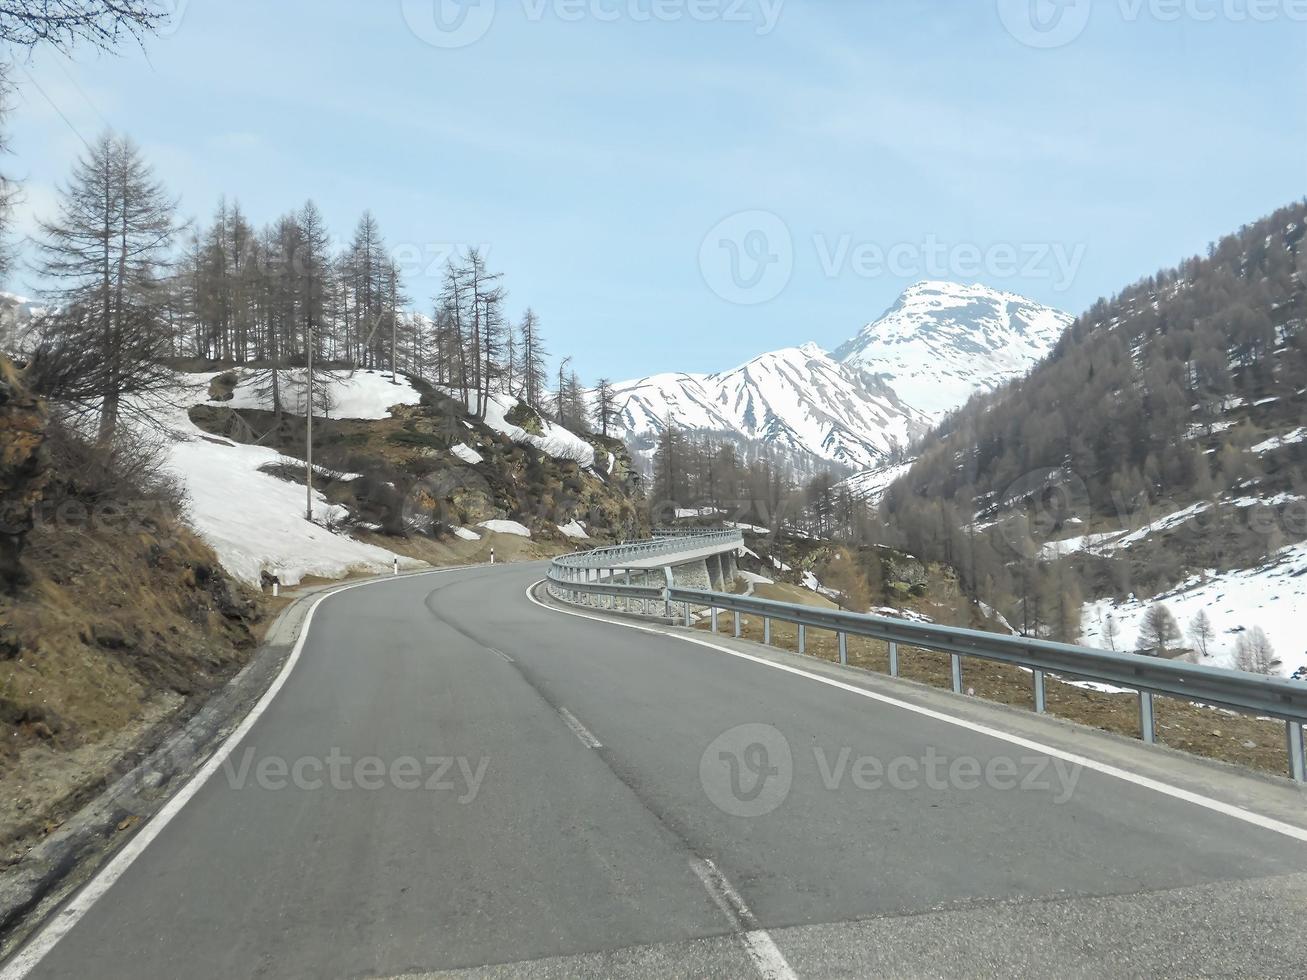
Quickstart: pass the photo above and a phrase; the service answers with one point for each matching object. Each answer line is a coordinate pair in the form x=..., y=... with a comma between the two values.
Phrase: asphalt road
x=456, y=779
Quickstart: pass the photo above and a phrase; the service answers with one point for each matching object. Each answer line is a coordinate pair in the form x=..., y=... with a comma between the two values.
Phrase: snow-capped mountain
x=877, y=393
x=943, y=341
x=798, y=401
x=16, y=313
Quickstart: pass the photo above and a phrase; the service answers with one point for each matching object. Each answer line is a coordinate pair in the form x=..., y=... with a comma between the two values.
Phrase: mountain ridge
x=940, y=341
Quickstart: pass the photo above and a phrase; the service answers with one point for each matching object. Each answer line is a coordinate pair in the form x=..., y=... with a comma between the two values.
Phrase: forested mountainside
x=1165, y=431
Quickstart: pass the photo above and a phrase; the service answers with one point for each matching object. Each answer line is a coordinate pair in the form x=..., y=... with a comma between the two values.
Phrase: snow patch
x=359, y=394
x=573, y=529
x=467, y=454
x=506, y=527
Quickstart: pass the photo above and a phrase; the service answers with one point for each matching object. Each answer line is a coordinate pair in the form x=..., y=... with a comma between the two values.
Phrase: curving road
x=454, y=778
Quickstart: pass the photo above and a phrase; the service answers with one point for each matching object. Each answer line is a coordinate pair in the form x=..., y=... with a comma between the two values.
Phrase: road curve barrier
x=638, y=578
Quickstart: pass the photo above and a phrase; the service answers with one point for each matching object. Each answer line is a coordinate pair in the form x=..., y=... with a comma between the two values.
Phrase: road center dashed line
x=762, y=950
x=501, y=654
x=580, y=731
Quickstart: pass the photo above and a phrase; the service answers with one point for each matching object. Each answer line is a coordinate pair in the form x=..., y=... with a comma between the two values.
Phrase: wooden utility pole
x=308, y=455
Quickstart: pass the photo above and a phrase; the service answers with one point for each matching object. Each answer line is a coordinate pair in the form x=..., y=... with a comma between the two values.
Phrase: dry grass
x=119, y=630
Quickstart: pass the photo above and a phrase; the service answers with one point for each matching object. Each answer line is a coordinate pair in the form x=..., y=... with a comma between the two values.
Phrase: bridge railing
x=607, y=583
x=667, y=546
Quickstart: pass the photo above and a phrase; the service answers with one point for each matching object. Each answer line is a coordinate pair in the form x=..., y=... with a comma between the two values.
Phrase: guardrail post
x=844, y=649
x=766, y=631
x=1147, y=730
x=712, y=611
x=737, y=622
x=1297, y=761
x=668, y=582
x=803, y=638
x=687, y=612
x=955, y=668
x=893, y=659
x=1040, y=703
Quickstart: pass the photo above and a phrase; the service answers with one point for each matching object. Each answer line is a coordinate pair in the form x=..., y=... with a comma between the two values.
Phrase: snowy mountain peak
x=942, y=341
x=798, y=401
x=936, y=345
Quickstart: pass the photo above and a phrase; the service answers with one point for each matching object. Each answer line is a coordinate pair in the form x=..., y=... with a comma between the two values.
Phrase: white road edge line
x=580, y=731
x=762, y=950
x=26, y=959
x=1147, y=782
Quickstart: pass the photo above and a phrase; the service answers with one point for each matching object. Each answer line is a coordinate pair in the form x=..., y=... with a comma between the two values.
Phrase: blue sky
x=681, y=184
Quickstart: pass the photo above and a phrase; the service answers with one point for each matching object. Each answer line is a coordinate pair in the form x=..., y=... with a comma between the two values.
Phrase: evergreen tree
x=107, y=254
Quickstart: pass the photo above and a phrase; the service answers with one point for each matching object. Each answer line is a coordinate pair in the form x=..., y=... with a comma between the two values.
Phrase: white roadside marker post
x=395, y=565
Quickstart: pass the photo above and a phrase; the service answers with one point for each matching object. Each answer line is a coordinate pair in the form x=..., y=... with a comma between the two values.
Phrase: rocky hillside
x=401, y=468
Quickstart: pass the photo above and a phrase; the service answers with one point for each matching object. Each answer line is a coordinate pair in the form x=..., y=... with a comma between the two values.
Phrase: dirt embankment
x=124, y=629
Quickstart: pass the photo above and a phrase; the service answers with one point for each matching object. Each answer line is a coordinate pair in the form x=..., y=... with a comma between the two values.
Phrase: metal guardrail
x=1273, y=697
x=614, y=556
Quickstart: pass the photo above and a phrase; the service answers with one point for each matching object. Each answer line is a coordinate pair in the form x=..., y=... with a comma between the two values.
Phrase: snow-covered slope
x=799, y=401
x=361, y=394
x=1272, y=596
x=253, y=521
x=870, y=485
x=943, y=341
